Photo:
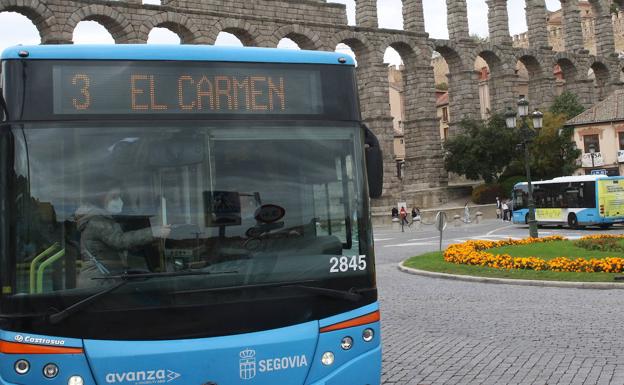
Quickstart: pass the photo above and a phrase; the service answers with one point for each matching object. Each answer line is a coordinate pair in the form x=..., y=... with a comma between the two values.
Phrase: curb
x=506, y=281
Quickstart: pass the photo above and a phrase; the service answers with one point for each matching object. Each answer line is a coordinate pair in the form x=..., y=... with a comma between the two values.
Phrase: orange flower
x=472, y=253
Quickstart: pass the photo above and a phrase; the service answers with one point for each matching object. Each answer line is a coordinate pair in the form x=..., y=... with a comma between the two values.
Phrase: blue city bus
x=575, y=201
x=185, y=215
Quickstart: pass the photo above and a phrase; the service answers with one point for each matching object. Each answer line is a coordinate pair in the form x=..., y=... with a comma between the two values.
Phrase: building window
x=590, y=141
x=621, y=140
x=446, y=130
x=400, y=164
x=445, y=114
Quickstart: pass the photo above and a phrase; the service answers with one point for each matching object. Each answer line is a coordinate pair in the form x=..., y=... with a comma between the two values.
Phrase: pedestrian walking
x=508, y=210
x=466, y=213
x=403, y=216
x=499, y=208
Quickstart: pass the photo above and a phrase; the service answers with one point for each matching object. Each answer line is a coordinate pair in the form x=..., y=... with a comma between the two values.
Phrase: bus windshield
x=245, y=203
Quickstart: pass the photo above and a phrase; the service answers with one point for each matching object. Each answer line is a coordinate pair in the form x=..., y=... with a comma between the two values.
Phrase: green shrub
x=486, y=193
x=508, y=183
x=604, y=244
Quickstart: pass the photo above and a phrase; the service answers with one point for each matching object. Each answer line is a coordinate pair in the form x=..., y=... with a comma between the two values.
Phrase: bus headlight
x=368, y=335
x=328, y=358
x=346, y=343
x=75, y=380
x=50, y=370
x=22, y=367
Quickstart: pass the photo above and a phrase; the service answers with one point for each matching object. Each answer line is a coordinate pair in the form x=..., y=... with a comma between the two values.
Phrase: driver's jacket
x=104, y=245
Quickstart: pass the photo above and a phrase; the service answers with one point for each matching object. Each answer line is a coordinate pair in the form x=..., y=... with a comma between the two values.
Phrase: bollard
x=457, y=220
x=478, y=217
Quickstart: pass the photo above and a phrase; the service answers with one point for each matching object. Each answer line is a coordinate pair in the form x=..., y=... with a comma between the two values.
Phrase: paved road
x=450, y=332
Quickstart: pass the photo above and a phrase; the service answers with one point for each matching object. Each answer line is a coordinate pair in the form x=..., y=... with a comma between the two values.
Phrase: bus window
x=572, y=197
x=588, y=197
x=520, y=198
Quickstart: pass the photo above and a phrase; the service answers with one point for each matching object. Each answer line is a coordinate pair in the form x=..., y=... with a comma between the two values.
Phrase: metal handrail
x=33, y=265
x=44, y=266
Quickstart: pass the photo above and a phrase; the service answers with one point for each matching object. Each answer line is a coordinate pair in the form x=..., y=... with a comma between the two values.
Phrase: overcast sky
x=17, y=29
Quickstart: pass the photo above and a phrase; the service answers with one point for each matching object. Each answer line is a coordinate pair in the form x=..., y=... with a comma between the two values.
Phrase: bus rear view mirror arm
x=374, y=163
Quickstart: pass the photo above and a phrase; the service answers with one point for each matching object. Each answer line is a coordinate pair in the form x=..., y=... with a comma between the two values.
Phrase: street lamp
x=592, y=152
x=527, y=137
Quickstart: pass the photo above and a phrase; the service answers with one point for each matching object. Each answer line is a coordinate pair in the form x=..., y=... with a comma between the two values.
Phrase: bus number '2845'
x=344, y=264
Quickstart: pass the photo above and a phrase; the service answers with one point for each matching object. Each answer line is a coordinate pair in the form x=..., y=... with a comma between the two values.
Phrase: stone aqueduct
x=317, y=25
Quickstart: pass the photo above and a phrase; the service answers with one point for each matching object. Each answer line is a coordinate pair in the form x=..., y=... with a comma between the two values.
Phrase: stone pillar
x=572, y=27
x=54, y=38
x=366, y=13
x=603, y=26
x=536, y=15
x=374, y=96
x=584, y=90
x=498, y=22
x=413, y=17
x=424, y=157
x=541, y=91
x=464, y=102
x=502, y=92
x=457, y=20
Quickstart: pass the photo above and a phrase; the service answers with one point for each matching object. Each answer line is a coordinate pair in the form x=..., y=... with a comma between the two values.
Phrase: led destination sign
x=188, y=88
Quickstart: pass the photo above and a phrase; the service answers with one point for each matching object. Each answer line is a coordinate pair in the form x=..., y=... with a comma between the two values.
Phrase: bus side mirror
x=4, y=114
x=374, y=163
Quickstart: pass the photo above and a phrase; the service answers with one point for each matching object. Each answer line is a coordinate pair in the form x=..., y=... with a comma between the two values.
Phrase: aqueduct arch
x=316, y=24
x=40, y=15
x=179, y=24
x=113, y=20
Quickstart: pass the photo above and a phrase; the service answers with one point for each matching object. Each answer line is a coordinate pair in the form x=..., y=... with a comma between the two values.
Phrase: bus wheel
x=573, y=221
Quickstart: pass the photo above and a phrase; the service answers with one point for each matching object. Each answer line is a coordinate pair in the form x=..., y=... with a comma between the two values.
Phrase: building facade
x=599, y=134
x=556, y=26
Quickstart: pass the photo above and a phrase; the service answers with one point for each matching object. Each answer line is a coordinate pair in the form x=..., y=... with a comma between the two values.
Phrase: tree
x=567, y=104
x=478, y=39
x=482, y=151
x=553, y=152
x=615, y=9
x=488, y=150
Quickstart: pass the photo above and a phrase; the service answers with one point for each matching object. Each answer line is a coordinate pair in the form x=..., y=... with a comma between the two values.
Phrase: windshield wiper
x=350, y=295
x=124, y=279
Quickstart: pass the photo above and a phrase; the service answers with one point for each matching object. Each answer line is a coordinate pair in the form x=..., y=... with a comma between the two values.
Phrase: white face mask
x=115, y=206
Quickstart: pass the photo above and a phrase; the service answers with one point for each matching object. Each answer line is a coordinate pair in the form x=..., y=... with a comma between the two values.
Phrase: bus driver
x=103, y=243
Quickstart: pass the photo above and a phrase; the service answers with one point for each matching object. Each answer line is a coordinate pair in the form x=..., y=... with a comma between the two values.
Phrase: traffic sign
x=441, y=221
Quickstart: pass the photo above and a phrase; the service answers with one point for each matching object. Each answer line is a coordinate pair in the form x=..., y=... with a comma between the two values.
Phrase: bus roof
x=182, y=52
x=573, y=178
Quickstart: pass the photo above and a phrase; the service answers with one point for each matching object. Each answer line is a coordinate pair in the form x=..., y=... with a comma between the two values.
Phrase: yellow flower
x=471, y=253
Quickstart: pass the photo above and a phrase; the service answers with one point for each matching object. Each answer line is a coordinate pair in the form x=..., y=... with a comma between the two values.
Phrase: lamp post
x=527, y=135
x=592, y=153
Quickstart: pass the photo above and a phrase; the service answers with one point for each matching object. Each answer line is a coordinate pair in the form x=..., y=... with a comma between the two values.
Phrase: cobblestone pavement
x=438, y=331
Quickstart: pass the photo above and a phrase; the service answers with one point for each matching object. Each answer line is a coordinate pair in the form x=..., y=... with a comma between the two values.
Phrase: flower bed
x=475, y=253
